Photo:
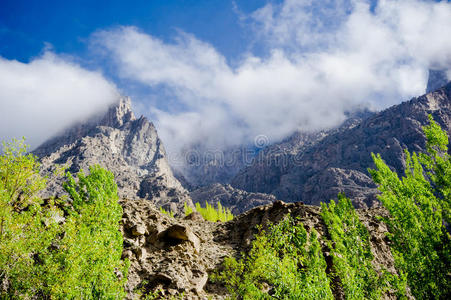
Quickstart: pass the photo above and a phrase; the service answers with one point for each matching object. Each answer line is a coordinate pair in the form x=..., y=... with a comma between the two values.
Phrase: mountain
x=437, y=79
x=315, y=168
x=238, y=201
x=127, y=146
x=204, y=166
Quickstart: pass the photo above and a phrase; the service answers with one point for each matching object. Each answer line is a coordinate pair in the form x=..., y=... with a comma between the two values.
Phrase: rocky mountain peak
x=119, y=113
x=128, y=147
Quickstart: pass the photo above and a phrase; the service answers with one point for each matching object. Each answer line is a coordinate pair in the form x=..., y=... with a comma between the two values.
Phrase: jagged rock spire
x=119, y=113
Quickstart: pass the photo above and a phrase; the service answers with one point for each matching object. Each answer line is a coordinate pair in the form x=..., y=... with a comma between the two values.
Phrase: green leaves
x=89, y=263
x=211, y=214
x=285, y=263
x=22, y=234
x=351, y=251
x=419, y=206
x=19, y=176
x=46, y=252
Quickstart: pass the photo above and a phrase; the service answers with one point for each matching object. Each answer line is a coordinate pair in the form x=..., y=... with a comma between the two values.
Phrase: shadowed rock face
x=128, y=147
x=338, y=161
x=437, y=79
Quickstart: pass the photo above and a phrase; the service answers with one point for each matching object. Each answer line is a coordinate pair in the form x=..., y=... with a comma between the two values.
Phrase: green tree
x=46, y=255
x=87, y=263
x=418, y=204
x=22, y=232
x=351, y=253
x=285, y=263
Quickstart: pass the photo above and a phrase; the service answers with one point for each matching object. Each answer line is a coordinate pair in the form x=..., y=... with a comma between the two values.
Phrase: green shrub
x=209, y=213
x=88, y=264
x=22, y=232
x=188, y=209
x=351, y=252
x=46, y=252
x=168, y=213
x=285, y=263
x=419, y=209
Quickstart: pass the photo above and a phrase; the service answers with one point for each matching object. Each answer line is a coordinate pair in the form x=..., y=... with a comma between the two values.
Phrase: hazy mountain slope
x=238, y=201
x=338, y=162
x=437, y=79
x=127, y=146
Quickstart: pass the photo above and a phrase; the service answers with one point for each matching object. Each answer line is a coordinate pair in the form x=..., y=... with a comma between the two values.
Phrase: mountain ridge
x=120, y=142
x=338, y=162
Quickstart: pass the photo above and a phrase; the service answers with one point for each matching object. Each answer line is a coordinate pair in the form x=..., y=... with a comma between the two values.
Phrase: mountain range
x=177, y=255
x=311, y=167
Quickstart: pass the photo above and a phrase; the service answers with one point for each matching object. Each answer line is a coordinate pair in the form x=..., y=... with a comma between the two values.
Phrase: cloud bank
x=323, y=58
x=40, y=98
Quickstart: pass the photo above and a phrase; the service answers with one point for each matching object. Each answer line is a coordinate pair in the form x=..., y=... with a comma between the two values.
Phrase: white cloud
x=40, y=98
x=323, y=60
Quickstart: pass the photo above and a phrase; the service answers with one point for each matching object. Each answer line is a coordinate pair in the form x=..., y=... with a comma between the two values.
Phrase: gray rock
x=127, y=146
x=437, y=79
x=238, y=201
x=315, y=169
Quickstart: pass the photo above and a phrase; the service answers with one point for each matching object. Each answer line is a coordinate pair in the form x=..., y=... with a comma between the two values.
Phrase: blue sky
x=27, y=25
x=214, y=72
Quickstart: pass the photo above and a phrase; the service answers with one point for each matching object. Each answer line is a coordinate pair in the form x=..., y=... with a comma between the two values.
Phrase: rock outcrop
x=178, y=256
x=127, y=146
x=168, y=254
x=337, y=161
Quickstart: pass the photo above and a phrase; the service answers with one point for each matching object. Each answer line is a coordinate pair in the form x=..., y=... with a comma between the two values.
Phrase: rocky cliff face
x=337, y=161
x=123, y=144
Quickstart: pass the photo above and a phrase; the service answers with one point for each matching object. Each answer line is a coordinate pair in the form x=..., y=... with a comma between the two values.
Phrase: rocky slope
x=316, y=171
x=179, y=255
x=238, y=201
x=123, y=144
x=203, y=166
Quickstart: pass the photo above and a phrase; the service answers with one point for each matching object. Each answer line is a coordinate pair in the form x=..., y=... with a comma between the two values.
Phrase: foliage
x=437, y=164
x=188, y=209
x=168, y=213
x=286, y=263
x=58, y=249
x=19, y=176
x=88, y=264
x=419, y=209
x=351, y=252
x=22, y=234
x=209, y=213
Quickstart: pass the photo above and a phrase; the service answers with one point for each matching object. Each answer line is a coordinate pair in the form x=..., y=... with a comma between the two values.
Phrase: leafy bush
x=188, y=209
x=351, y=252
x=285, y=263
x=169, y=213
x=89, y=264
x=419, y=209
x=209, y=213
x=22, y=234
x=68, y=250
